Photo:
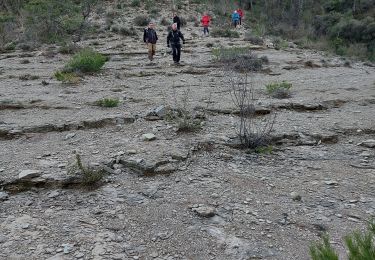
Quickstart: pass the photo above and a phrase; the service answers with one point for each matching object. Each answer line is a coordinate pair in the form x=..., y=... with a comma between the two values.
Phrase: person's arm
x=168, y=38
x=156, y=36
x=145, y=36
x=182, y=37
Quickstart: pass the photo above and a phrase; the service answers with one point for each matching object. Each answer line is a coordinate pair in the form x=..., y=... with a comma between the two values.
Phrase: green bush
x=226, y=33
x=90, y=178
x=86, y=61
x=361, y=246
x=108, y=102
x=69, y=48
x=67, y=77
x=135, y=3
x=323, y=251
x=279, y=89
x=223, y=54
x=142, y=20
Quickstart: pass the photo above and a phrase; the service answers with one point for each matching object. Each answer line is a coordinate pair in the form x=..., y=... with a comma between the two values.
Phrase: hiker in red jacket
x=240, y=12
x=206, y=19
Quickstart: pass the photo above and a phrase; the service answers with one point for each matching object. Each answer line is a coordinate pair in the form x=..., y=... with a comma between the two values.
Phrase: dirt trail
x=182, y=196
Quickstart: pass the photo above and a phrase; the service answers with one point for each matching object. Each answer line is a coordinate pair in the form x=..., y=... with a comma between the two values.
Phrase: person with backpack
x=206, y=20
x=173, y=40
x=177, y=21
x=235, y=18
x=240, y=13
x=150, y=38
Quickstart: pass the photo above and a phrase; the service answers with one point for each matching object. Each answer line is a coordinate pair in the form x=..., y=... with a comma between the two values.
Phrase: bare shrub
x=253, y=39
x=253, y=131
x=183, y=115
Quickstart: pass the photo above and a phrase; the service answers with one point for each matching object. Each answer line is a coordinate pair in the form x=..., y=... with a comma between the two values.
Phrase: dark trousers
x=176, y=51
x=240, y=20
x=205, y=30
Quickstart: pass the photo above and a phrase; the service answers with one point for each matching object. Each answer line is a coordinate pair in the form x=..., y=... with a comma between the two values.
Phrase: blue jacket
x=235, y=17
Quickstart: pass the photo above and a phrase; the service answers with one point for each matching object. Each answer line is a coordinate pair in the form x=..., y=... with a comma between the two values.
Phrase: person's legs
x=153, y=50
x=178, y=53
x=240, y=21
x=174, y=52
x=149, y=46
x=205, y=30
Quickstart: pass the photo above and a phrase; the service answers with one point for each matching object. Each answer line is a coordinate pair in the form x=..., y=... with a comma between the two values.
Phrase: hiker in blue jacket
x=235, y=18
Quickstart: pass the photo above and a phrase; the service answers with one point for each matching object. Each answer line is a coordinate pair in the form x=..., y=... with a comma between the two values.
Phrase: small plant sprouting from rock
x=108, y=102
x=279, y=89
x=183, y=116
x=90, y=177
x=361, y=246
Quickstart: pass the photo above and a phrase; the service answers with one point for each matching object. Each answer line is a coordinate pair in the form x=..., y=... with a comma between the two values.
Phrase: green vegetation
x=69, y=48
x=108, y=102
x=279, y=89
x=222, y=54
x=323, y=250
x=227, y=33
x=86, y=61
x=361, y=246
x=135, y=3
x=142, y=20
x=67, y=77
x=90, y=178
x=239, y=58
x=264, y=149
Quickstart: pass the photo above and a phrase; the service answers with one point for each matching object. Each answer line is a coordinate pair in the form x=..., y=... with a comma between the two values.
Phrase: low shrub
x=279, y=89
x=256, y=40
x=128, y=31
x=28, y=77
x=67, y=77
x=142, y=20
x=90, y=177
x=108, y=102
x=135, y=3
x=361, y=246
x=226, y=33
x=69, y=48
x=239, y=58
x=86, y=61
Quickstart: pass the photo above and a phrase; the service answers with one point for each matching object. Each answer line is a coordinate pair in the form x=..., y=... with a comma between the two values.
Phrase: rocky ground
x=172, y=195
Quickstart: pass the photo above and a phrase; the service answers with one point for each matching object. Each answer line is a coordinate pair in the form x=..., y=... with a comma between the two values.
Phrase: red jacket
x=206, y=20
x=240, y=12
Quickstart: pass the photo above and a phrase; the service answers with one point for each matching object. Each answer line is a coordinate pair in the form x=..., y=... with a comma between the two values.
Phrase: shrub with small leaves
x=142, y=20
x=361, y=246
x=108, y=102
x=226, y=33
x=69, y=48
x=323, y=251
x=67, y=77
x=86, y=61
x=279, y=89
x=90, y=178
x=135, y=3
x=253, y=39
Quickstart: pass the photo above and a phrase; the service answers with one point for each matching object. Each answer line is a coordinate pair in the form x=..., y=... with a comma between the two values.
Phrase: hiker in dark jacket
x=177, y=21
x=173, y=40
x=150, y=38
